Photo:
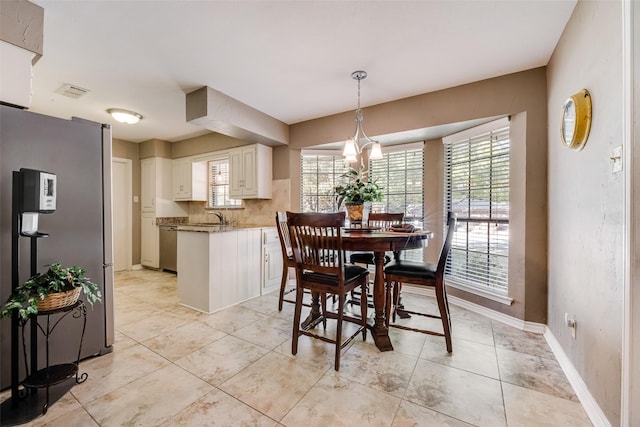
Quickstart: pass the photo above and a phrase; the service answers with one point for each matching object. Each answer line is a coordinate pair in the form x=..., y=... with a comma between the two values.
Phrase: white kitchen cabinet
x=156, y=188
x=272, y=260
x=189, y=180
x=218, y=269
x=148, y=185
x=149, y=241
x=251, y=172
x=248, y=263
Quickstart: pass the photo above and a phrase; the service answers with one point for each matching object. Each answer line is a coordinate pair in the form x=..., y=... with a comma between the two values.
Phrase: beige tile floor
x=172, y=366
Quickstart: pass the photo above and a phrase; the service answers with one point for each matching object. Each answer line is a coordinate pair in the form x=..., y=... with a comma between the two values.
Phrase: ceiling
x=291, y=60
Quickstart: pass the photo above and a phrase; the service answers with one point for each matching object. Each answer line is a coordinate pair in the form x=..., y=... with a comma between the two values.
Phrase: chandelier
x=353, y=146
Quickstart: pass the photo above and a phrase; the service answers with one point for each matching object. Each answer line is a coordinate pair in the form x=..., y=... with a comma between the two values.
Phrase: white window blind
x=400, y=173
x=218, y=182
x=477, y=190
x=320, y=174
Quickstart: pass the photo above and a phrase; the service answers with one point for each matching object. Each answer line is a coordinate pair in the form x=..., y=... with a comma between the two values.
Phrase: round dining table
x=378, y=242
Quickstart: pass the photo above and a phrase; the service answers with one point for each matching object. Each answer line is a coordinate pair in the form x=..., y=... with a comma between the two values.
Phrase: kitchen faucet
x=219, y=215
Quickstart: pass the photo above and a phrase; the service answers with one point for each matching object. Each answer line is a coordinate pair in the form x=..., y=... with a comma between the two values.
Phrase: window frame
x=336, y=174
x=237, y=203
x=479, y=135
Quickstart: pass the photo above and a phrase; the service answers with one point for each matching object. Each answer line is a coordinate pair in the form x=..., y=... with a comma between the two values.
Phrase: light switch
x=616, y=159
x=135, y=199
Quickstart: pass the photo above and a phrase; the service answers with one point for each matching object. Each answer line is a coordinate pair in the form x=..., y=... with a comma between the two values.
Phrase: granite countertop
x=216, y=228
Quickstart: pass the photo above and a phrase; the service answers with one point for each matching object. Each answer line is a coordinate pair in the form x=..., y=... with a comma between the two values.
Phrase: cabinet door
x=248, y=264
x=250, y=177
x=272, y=271
x=149, y=241
x=148, y=185
x=236, y=170
x=181, y=179
x=198, y=178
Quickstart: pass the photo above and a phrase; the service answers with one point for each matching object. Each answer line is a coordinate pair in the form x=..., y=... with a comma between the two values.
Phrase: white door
x=122, y=233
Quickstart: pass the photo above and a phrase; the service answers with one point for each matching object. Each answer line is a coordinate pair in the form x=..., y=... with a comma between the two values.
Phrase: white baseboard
x=587, y=400
x=136, y=267
x=534, y=327
x=589, y=404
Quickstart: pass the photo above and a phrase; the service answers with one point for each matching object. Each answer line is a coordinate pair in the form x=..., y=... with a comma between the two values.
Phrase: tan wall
x=586, y=203
x=130, y=150
x=513, y=94
x=155, y=148
x=433, y=179
x=204, y=144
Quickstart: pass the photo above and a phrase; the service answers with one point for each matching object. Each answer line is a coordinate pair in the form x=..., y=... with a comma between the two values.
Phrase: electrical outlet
x=571, y=322
x=616, y=159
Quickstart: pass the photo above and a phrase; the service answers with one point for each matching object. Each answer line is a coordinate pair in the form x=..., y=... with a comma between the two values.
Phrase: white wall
x=586, y=230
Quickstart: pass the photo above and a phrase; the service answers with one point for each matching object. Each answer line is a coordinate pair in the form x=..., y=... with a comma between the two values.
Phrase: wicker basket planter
x=59, y=300
x=58, y=287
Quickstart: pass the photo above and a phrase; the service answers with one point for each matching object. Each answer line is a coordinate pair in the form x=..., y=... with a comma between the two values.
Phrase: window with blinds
x=477, y=189
x=218, y=184
x=320, y=174
x=400, y=173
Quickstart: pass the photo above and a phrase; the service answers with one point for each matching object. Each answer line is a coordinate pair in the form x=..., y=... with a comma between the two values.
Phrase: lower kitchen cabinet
x=218, y=269
x=272, y=260
x=149, y=241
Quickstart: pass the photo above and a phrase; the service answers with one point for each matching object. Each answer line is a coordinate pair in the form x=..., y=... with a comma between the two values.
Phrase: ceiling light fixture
x=352, y=147
x=124, y=116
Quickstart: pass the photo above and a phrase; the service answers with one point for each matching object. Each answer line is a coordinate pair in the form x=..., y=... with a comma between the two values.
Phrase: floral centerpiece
x=58, y=285
x=356, y=191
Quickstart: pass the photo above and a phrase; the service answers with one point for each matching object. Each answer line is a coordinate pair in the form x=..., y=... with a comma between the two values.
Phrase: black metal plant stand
x=27, y=403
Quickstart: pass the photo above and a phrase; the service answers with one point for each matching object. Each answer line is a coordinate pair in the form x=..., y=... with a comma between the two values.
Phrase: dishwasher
x=168, y=247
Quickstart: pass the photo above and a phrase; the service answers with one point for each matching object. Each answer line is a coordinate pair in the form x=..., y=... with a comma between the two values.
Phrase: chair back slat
x=283, y=234
x=384, y=220
x=316, y=241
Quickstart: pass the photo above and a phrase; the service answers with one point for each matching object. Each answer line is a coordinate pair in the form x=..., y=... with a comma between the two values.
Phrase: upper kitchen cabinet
x=251, y=172
x=189, y=180
x=156, y=193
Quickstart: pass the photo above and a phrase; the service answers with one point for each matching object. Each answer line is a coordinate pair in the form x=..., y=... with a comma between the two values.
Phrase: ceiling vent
x=72, y=91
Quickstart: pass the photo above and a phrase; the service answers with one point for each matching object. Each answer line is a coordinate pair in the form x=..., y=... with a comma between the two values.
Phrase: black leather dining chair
x=384, y=221
x=316, y=242
x=398, y=272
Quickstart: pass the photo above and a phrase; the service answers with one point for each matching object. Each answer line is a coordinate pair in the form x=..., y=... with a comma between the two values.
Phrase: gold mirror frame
x=575, y=121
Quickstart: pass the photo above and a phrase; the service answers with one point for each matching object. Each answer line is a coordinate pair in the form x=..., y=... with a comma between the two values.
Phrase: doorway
x=122, y=206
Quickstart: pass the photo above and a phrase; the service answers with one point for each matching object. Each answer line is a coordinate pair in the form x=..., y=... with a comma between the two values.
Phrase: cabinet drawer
x=270, y=235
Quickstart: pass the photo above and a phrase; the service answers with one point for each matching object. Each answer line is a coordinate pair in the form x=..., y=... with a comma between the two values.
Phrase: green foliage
x=358, y=188
x=25, y=297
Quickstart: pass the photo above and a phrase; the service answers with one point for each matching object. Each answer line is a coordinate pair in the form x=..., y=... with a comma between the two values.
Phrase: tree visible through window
x=477, y=190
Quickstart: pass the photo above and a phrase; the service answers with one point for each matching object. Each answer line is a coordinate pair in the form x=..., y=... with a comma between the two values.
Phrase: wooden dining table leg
x=315, y=316
x=380, y=331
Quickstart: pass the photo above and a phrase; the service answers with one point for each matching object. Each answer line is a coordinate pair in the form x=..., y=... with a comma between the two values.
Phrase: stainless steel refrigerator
x=80, y=230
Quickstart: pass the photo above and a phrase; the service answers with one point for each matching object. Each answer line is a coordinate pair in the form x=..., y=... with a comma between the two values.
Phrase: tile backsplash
x=259, y=212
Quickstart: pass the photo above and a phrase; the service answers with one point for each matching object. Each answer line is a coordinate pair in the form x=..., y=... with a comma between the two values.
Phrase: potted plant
x=356, y=191
x=58, y=287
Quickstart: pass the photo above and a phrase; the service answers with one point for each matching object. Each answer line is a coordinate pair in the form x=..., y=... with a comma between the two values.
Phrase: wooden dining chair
x=421, y=274
x=287, y=256
x=384, y=221
x=376, y=219
x=316, y=242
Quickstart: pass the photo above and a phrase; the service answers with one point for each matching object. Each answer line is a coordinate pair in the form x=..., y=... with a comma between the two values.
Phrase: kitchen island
x=218, y=265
